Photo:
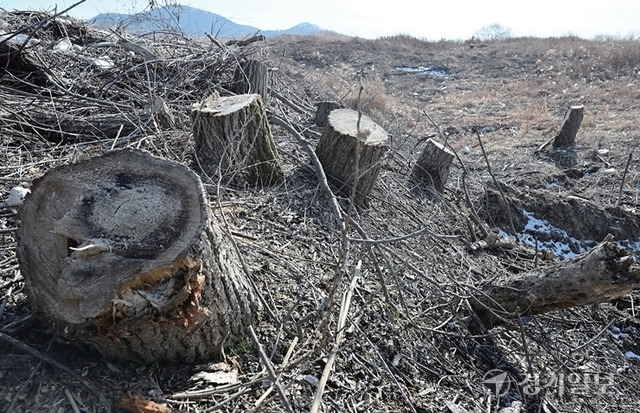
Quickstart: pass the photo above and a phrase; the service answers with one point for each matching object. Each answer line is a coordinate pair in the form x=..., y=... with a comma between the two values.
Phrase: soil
x=410, y=341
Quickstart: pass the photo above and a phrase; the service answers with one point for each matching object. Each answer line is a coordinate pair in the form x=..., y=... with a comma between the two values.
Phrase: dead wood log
x=602, y=274
x=323, y=111
x=433, y=165
x=337, y=148
x=233, y=140
x=250, y=77
x=247, y=41
x=121, y=251
x=64, y=127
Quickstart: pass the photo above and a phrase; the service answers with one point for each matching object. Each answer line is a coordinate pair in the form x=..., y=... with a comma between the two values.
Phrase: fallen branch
x=344, y=310
x=602, y=274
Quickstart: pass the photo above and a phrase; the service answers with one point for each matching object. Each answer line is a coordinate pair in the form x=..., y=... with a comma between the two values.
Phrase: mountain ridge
x=191, y=21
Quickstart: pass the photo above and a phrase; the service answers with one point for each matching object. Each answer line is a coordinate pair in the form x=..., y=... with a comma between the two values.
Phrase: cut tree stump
x=121, y=251
x=233, y=140
x=336, y=151
x=323, y=111
x=433, y=165
x=570, y=126
x=602, y=274
x=567, y=136
x=250, y=77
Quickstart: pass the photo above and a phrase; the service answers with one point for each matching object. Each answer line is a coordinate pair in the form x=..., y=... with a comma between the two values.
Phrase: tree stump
x=121, y=251
x=233, y=140
x=323, y=111
x=570, y=126
x=336, y=151
x=602, y=274
x=433, y=165
x=250, y=77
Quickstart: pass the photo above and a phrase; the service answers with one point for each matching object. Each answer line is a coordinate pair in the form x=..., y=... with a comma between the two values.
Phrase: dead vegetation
x=410, y=340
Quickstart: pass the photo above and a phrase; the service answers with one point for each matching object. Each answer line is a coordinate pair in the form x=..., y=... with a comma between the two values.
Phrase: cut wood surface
x=602, y=274
x=121, y=251
x=233, y=140
x=336, y=151
x=433, y=165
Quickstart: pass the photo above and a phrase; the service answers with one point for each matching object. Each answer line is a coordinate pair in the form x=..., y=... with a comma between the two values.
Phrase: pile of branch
x=63, y=80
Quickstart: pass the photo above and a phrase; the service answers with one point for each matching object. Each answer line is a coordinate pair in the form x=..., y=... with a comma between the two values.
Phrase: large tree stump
x=570, y=126
x=233, y=140
x=602, y=274
x=121, y=251
x=337, y=147
x=250, y=77
x=433, y=165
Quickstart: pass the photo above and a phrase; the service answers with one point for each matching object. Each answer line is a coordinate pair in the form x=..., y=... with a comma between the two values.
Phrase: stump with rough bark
x=233, y=140
x=121, y=251
x=323, y=111
x=340, y=146
x=570, y=126
x=433, y=165
x=250, y=77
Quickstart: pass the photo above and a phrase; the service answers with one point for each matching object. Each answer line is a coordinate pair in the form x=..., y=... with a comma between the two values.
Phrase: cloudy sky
x=451, y=19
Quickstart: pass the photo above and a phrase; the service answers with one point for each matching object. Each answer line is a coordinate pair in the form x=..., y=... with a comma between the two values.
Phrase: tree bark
x=250, y=77
x=602, y=274
x=433, y=165
x=337, y=148
x=121, y=251
x=233, y=140
x=570, y=126
x=323, y=111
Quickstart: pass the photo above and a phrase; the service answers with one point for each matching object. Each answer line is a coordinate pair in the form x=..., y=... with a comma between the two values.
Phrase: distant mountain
x=191, y=21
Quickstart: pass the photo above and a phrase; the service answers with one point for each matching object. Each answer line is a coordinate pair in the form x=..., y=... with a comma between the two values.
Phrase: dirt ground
x=411, y=342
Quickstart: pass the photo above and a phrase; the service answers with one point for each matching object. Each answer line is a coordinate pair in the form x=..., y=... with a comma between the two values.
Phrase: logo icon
x=497, y=381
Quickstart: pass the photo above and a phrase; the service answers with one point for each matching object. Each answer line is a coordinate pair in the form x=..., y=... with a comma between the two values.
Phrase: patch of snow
x=616, y=334
x=423, y=70
x=560, y=243
x=632, y=355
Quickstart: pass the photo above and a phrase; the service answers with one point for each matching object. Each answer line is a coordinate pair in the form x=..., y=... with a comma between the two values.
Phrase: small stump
x=570, y=126
x=433, y=165
x=337, y=147
x=122, y=252
x=250, y=77
x=233, y=140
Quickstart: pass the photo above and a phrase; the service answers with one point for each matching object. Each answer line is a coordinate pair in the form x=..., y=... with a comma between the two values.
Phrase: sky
x=446, y=19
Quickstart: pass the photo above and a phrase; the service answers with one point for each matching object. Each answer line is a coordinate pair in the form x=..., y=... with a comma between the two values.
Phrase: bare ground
x=410, y=343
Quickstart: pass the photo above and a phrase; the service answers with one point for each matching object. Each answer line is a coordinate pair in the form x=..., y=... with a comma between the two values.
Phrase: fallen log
x=342, y=143
x=64, y=127
x=121, y=251
x=604, y=273
x=233, y=140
